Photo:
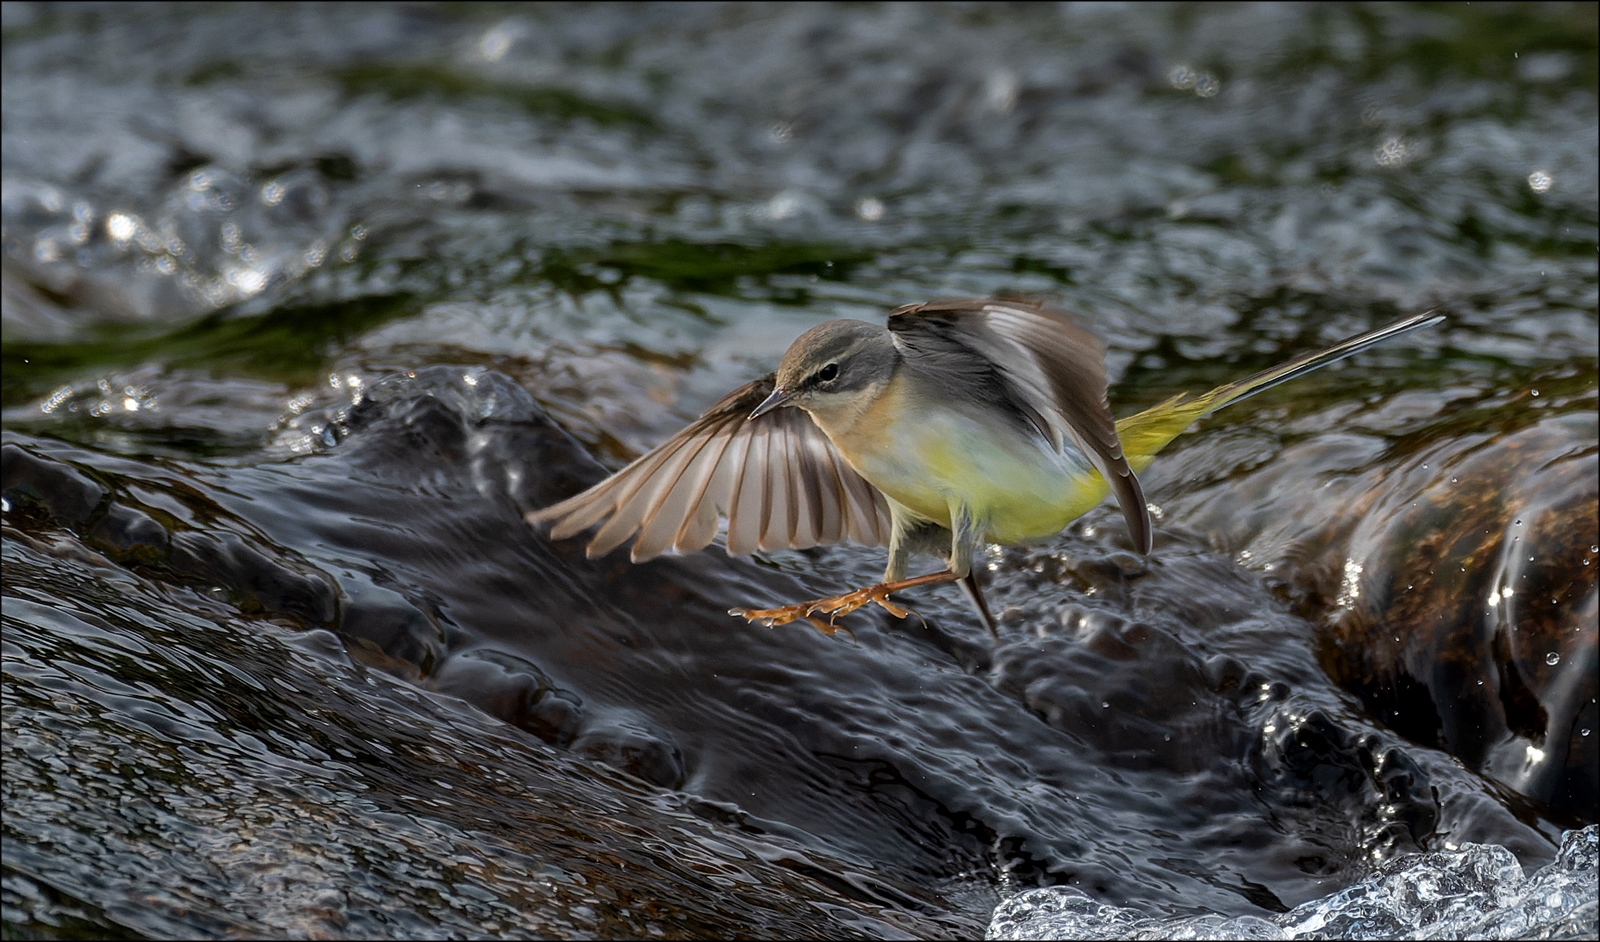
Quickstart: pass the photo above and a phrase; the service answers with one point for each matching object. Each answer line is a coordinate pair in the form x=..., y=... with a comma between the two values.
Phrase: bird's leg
x=905, y=531
x=974, y=594
x=963, y=536
x=837, y=605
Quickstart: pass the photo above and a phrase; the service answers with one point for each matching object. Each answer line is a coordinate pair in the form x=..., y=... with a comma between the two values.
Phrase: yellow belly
x=931, y=462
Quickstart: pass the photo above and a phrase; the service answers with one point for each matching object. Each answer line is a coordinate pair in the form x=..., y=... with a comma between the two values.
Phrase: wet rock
x=130, y=536
x=247, y=762
x=48, y=492
x=480, y=424
x=515, y=690
x=51, y=490
x=1468, y=615
x=377, y=618
x=632, y=745
x=255, y=582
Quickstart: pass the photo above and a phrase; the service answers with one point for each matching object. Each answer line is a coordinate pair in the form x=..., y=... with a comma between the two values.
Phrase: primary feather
x=776, y=478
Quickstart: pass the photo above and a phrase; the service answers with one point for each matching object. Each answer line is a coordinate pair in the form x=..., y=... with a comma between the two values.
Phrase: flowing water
x=305, y=306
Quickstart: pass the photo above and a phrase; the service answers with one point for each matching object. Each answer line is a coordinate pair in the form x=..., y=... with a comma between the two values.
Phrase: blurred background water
x=304, y=306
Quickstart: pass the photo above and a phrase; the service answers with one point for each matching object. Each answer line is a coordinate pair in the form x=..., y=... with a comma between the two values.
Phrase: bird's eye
x=828, y=373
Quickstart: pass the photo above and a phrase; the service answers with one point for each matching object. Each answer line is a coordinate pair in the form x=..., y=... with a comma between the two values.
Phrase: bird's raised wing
x=777, y=479
x=1042, y=364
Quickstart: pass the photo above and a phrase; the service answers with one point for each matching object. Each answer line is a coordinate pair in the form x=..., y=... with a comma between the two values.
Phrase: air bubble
x=1552, y=659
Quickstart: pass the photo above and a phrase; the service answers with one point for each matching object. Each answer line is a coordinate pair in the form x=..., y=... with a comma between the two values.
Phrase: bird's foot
x=837, y=605
x=832, y=607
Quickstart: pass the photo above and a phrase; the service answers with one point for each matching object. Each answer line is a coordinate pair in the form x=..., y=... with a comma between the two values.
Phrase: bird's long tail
x=1145, y=434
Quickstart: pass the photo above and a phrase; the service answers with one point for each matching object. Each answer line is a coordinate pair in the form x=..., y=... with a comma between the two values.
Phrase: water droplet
x=1105, y=704
x=1552, y=659
x=1584, y=731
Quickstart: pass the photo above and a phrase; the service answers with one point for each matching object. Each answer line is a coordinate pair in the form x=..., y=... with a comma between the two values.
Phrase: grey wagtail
x=962, y=421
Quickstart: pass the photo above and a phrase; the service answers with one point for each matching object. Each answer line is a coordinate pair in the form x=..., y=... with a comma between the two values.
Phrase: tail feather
x=1145, y=434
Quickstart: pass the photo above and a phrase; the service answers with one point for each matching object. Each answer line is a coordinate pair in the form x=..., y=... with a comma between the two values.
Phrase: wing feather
x=802, y=486
x=775, y=531
x=711, y=477
x=777, y=479
x=634, y=491
x=672, y=499
x=744, y=510
x=829, y=499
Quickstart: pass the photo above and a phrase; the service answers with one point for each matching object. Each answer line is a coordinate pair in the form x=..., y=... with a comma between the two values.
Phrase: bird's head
x=832, y=368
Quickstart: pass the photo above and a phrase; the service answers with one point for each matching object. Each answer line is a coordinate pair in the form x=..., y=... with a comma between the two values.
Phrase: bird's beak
x=778, y=398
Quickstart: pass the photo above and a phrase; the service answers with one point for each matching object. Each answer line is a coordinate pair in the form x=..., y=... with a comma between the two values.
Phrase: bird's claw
x=832, y=607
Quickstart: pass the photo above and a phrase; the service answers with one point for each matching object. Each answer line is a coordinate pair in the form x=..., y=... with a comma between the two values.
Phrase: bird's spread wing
x=1042, y=364
x=777, y=479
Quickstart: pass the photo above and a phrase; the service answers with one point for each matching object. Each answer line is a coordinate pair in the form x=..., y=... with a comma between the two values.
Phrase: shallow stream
x=305, y=306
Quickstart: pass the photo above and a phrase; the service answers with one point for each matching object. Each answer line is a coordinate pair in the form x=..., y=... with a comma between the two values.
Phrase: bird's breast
x=931, y=458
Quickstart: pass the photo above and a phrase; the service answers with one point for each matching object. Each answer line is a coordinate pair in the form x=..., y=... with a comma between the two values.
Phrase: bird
x=959, y=422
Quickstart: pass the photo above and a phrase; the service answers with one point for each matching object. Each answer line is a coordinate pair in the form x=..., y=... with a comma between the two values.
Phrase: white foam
x=1477, y=892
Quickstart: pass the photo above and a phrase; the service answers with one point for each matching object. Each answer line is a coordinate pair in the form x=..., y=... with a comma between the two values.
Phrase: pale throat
x=856, y=417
